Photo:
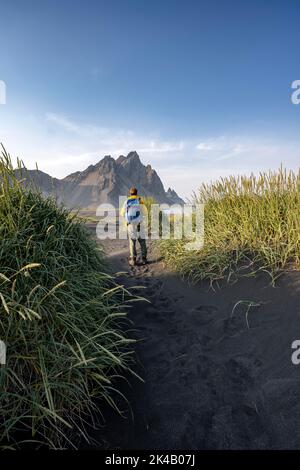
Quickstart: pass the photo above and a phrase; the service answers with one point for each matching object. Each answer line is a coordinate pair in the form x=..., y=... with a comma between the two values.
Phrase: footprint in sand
x=240, y=372
x=151, y=291
x=172, y=332
x=163, y=302
x=204, y=313
x=156, y=283
x=160, y=373
x=196, y=372
x=178, y=298
x=234, y=326
x=169, y=313
x=206, y=342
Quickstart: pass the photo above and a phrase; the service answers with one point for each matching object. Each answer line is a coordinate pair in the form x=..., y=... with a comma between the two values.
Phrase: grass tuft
x=61, y=317
x=252, y=224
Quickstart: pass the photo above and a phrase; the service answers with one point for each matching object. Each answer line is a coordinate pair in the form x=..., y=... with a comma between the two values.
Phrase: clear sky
x=200, y=89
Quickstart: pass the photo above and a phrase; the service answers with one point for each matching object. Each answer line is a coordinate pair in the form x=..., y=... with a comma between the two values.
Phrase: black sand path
x=215, y=378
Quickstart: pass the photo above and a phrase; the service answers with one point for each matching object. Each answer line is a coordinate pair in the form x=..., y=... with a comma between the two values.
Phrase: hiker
x=134, y=211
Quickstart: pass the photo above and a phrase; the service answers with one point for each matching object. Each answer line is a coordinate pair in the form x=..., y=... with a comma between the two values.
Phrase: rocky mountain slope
x=104, y=182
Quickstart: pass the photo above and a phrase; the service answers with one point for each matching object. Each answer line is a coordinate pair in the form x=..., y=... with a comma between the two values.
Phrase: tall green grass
x=62, y=317
x=252, y=224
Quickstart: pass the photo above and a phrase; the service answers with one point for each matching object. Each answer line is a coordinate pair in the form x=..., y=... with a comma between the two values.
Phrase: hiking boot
x=144, y=260
x=132, y=261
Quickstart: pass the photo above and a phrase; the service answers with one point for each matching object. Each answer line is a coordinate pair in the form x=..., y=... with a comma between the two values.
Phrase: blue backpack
x=133, y=213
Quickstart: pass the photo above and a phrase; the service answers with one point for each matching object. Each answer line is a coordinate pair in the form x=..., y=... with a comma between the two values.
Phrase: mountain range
x=103, y=182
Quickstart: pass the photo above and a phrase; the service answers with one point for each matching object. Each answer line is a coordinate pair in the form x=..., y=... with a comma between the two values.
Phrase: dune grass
x=252, y=224
x=62, y=317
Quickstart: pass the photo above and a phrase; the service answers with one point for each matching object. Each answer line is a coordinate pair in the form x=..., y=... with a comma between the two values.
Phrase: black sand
x=213, y=379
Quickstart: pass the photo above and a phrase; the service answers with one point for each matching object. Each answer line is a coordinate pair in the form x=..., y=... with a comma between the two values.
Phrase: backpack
x=133, y=213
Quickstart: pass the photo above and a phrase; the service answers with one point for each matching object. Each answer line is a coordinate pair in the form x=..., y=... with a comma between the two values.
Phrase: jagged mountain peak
x=133, y=155
x=132, y=161
x=173, y=197
x=106, y=181
x=121, y=159
x=107, y=162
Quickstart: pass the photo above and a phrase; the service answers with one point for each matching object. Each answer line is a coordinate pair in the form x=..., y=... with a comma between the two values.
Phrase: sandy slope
x=211, y=382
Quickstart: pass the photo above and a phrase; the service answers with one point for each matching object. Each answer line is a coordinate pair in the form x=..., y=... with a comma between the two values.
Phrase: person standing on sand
x=134, y=211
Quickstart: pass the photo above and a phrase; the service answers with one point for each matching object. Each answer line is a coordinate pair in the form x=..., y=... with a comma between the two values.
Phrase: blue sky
x=200, y=89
